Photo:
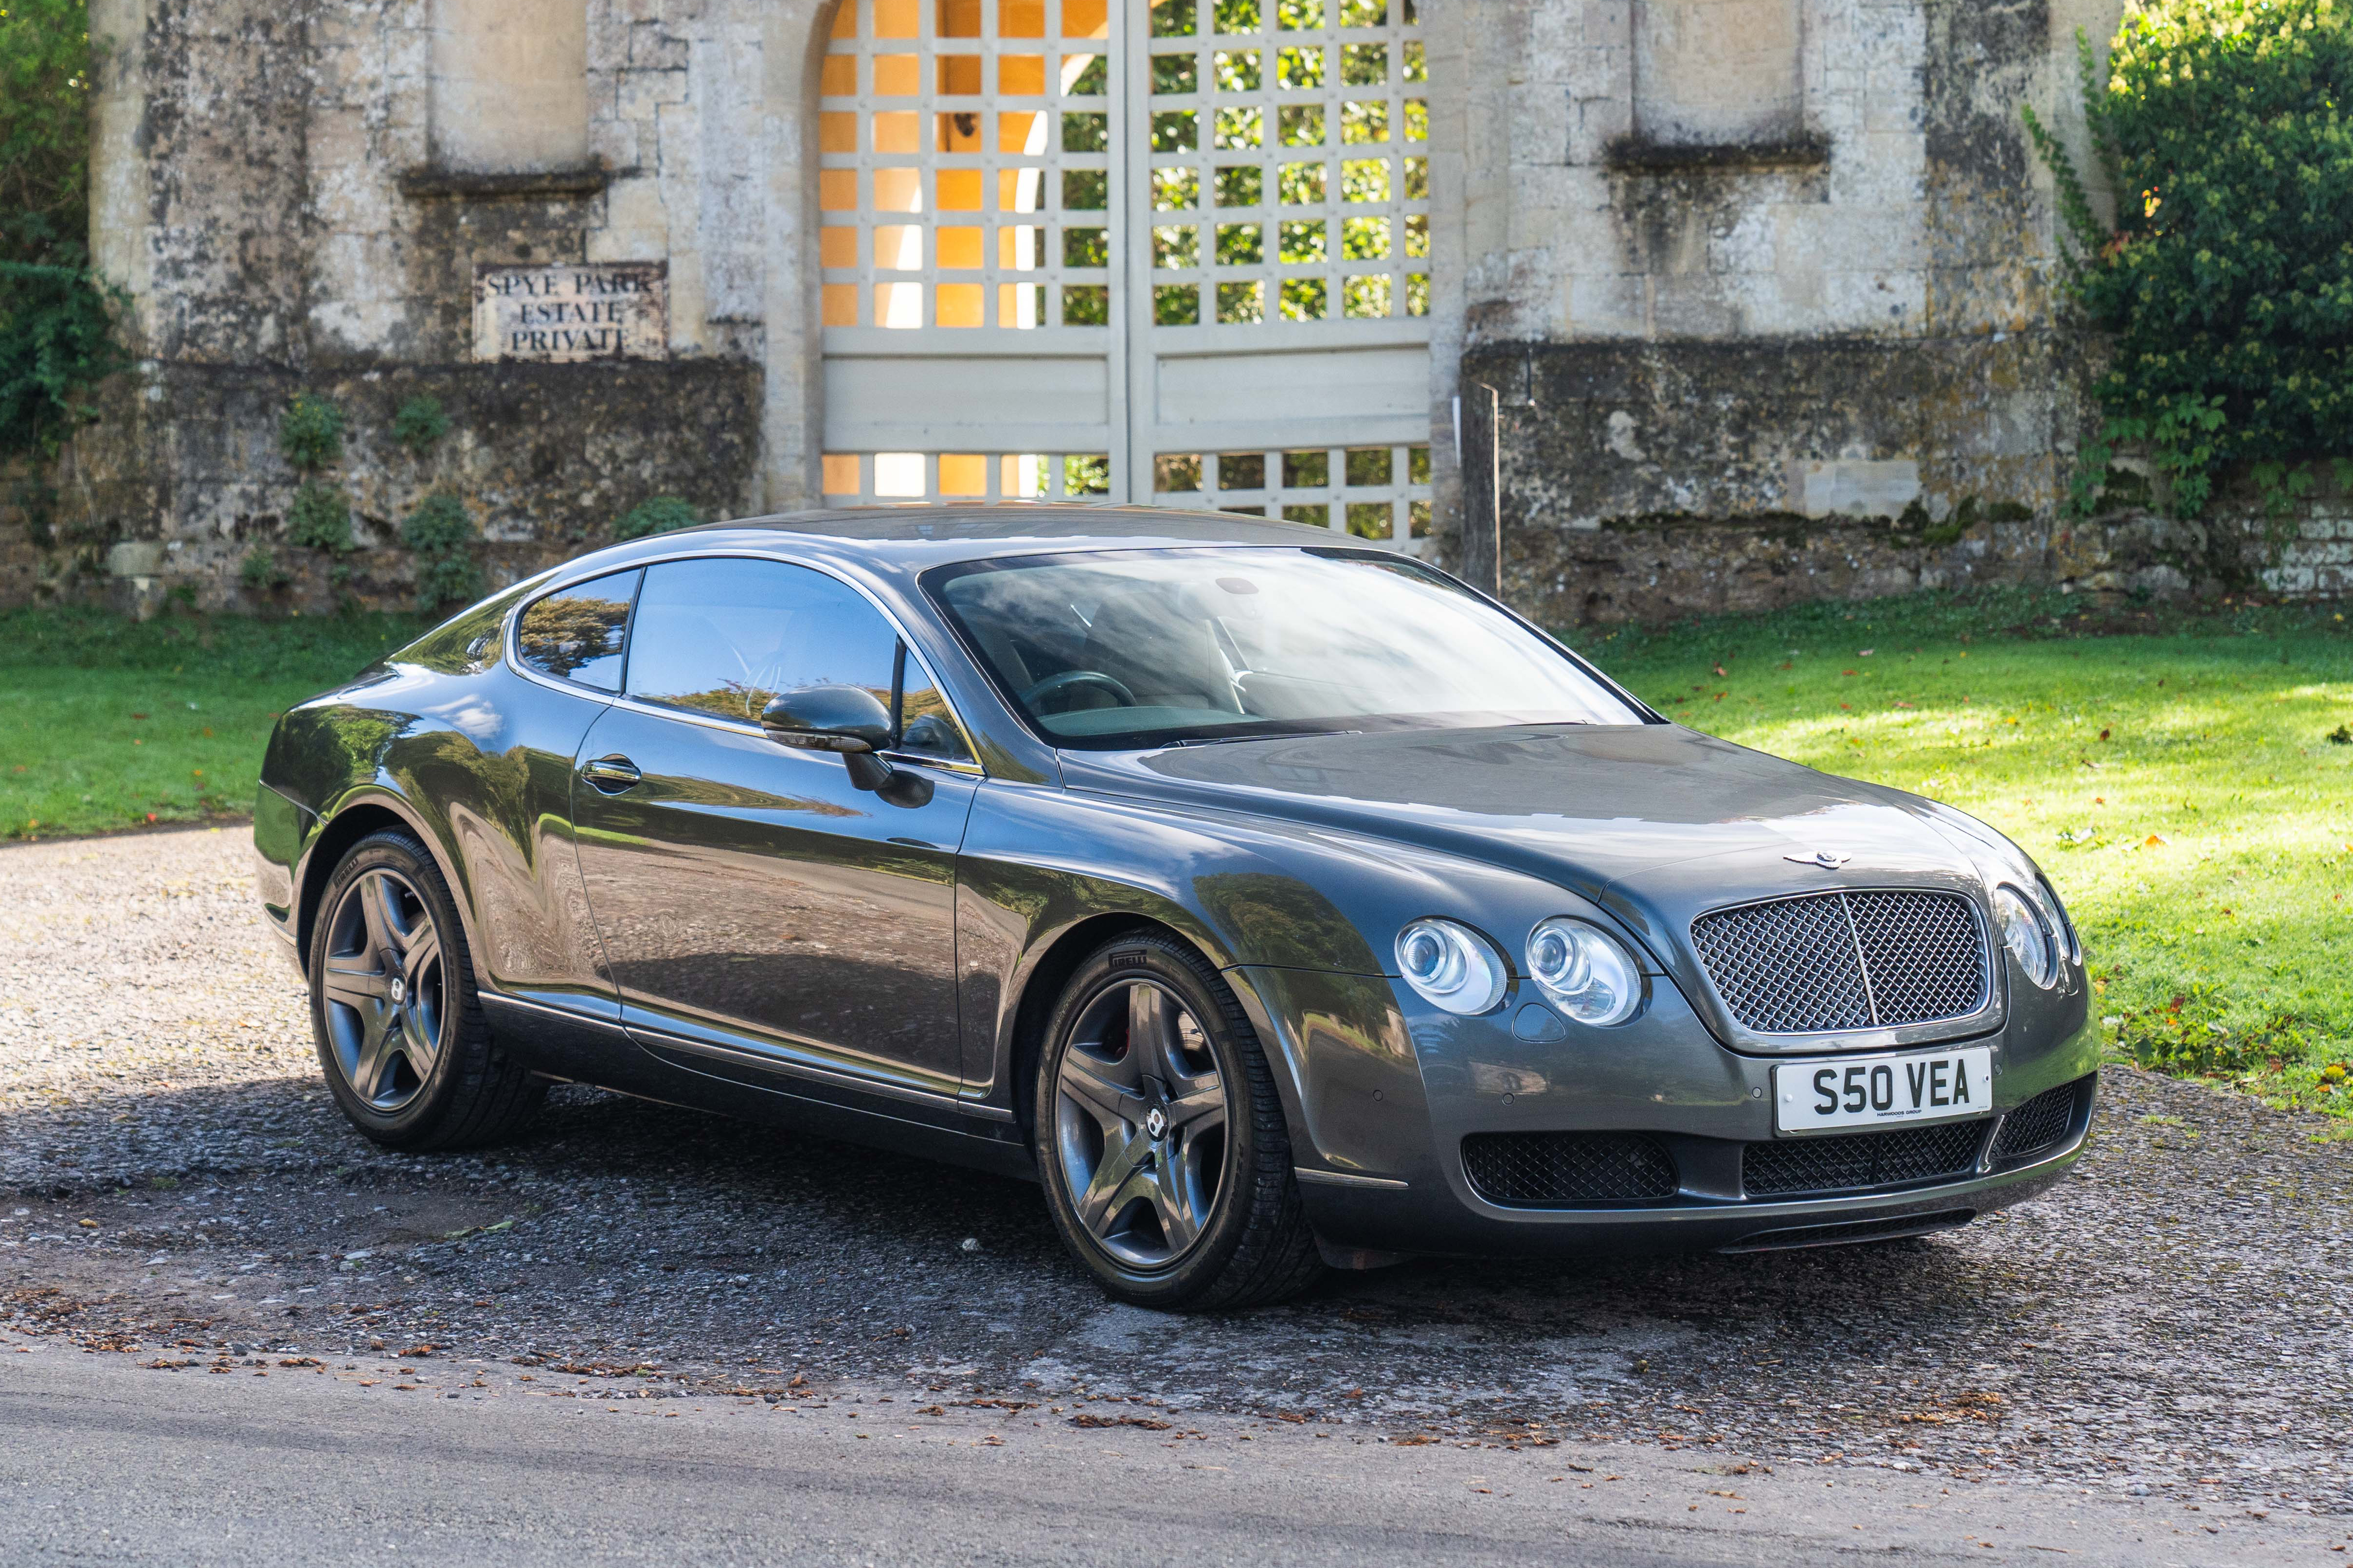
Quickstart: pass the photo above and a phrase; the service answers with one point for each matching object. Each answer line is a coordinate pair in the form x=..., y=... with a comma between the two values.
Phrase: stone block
x=1606, y=305
x=637, y=223
x=653, y=46
x=643, y=92
x=1855, y=487
x=1595, y=123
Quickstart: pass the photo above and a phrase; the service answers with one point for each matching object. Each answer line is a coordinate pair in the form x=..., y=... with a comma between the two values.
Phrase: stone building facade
x=1713, y=303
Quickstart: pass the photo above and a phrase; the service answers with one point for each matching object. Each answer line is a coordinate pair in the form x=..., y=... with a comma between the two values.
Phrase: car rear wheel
x=1167, y=1162
x=400, y=1031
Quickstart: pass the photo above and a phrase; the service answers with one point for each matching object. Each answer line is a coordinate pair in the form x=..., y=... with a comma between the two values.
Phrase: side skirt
x=573, y=1048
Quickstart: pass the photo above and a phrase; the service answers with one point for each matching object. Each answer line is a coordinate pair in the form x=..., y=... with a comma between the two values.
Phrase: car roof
x=916, y=537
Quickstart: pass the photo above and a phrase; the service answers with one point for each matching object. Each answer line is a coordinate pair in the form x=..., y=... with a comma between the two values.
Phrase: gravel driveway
x=2172, y=1321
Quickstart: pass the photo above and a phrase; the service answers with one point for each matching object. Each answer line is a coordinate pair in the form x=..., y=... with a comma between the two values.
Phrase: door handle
x=611, y=774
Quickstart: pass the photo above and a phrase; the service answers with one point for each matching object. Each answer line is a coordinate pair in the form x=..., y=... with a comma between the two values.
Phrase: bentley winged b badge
x=1828, y=859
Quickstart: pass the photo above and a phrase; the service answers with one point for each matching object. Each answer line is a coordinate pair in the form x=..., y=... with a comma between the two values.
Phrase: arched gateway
x=1176, y=254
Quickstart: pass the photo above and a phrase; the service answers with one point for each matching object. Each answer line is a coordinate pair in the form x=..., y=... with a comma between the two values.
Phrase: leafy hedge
x=57, y=338
x=56, y=323
x=2226, y=280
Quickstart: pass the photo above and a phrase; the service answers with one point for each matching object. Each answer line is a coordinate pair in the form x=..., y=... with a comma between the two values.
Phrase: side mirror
x=846, y=720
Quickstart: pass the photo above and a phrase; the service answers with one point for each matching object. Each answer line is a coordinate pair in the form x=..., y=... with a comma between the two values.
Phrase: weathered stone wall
x=1793, y=359
x=545, y=458
x=1763, y=287
x=268, y=189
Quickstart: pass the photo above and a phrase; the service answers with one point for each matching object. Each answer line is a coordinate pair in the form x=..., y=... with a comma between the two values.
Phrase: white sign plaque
x=600, y=310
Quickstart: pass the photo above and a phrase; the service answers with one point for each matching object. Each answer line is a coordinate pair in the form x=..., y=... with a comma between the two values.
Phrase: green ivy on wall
x=662, y=514
x=443, y=536
x=2226, y=280
x=57, y=324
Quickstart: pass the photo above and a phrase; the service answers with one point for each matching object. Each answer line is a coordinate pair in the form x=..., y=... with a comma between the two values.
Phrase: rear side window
x=580, y=633
x=729, y=636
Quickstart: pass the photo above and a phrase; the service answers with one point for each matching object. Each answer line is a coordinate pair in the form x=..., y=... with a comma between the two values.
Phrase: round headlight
x=1586, y=973
x=2027, y=937
x=1451, y=965
x=2054, y=915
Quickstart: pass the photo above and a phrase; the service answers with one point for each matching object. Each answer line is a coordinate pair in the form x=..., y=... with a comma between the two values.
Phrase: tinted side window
x=729, y=636
x=578, y=633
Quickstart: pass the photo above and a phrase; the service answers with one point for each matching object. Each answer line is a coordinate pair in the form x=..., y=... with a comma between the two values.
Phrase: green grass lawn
x=2172, y=770
x=107, y=724
x=2172, y=773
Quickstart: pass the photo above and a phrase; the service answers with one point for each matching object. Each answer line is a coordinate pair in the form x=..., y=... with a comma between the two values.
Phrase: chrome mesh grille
x=1537, y=1169
x=1826, y=962
x=1922, y=953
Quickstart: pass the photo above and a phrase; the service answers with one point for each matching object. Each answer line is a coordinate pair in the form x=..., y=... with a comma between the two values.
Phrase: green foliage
x=2188, y=1037
x=58, y=323
x=319, y=519
x=420, y=423
x=443, y=537
x=311, y=432
x=663, y=514
x=2227, y=277
x=57, y=337
x=260, y=572
x=45, y=80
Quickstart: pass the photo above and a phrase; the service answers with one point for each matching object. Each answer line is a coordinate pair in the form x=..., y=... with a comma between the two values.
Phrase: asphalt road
x=103, y=1463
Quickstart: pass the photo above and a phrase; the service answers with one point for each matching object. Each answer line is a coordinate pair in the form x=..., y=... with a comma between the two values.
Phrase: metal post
x=1495, y=482
x=1479, y=433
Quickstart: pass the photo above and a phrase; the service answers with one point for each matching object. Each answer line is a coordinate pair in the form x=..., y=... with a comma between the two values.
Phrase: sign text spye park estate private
x=609, y=309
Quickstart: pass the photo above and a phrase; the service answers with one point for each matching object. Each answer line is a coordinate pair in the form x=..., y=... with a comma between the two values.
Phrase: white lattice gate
x=1092, y=248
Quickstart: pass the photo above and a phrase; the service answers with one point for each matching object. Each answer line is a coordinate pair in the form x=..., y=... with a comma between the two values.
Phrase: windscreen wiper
x=1253, y=735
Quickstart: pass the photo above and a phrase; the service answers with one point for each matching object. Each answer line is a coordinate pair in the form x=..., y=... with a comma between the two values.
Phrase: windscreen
x=1125, y=650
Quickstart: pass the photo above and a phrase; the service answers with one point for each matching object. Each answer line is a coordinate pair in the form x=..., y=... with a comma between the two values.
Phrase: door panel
x=747, y=889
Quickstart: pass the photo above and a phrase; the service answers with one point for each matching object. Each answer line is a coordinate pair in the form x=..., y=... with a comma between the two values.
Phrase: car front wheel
x=399, y=1028
x=1161, y=1139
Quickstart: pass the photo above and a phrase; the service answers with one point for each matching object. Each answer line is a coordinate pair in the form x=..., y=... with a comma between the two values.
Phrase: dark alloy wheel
x=400, y=1031
x=387, y=989
x=1160, y=1136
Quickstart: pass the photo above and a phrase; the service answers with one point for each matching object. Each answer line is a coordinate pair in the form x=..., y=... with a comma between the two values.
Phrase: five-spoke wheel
x=386, y=990
x=1160, y=1135
x=1140, y=1123
x=400, y=1030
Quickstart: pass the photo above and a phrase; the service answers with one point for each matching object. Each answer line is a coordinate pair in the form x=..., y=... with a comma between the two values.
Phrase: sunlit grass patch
x=107, y=724
x=2173, y=773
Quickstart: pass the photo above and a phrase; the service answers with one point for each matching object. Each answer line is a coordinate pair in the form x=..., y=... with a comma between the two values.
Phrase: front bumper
x=1384, y=1101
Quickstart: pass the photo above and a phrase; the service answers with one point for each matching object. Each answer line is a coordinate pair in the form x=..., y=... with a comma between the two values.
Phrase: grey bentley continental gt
x=1275, y=903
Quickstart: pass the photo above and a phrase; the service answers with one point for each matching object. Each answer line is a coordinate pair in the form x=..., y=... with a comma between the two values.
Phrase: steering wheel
x=1053, y=684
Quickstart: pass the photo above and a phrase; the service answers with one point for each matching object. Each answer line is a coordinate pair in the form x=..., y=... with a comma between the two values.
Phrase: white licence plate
x=1873, y=1091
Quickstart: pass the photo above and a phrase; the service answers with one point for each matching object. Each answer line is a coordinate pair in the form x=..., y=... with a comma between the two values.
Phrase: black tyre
x=1167, y=1162
x=399, y=1028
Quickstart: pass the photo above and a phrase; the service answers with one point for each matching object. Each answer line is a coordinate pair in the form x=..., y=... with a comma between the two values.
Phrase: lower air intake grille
x=1855, y=1160
x=2038, y=1124
x=1822, y=963
x=1533, y=1169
